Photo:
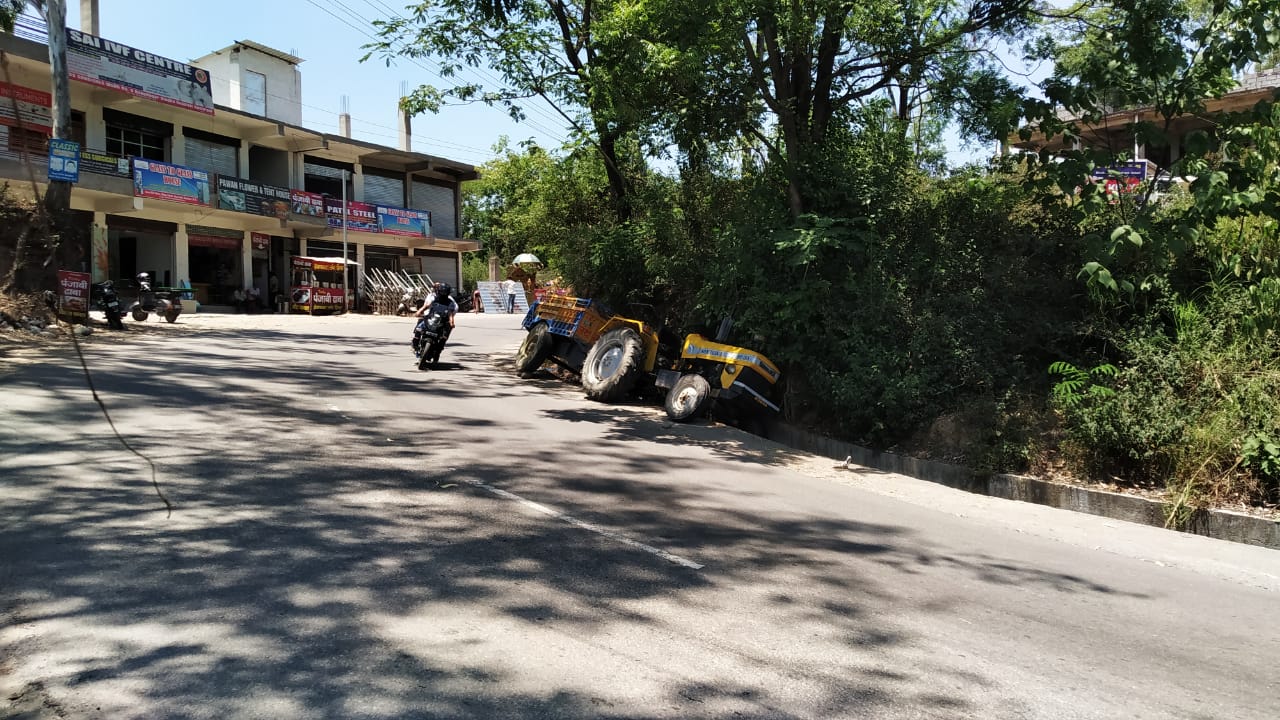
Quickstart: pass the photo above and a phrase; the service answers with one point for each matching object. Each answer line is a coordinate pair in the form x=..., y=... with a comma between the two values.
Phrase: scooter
x=430, y=335
x=149, y=301
x=107, y=300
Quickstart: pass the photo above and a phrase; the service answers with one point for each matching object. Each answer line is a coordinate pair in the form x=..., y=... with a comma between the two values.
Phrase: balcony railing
x=35, y=150
x=33, y=28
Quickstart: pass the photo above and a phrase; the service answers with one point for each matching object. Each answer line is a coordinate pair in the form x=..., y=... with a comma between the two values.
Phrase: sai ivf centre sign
x=107, y=64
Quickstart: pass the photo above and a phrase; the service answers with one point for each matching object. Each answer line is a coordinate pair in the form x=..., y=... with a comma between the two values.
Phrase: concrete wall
x=284, y=82
x=224, y=78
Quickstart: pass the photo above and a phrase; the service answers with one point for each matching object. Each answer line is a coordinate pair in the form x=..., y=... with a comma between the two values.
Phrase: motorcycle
x=430, y=335
x=107, y=300
x=150, y=301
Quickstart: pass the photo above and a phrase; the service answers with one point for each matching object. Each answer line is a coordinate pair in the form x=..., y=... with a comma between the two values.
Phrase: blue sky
x=327, y=35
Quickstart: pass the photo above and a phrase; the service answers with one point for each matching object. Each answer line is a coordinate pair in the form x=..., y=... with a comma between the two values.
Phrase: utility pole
x=345, y=269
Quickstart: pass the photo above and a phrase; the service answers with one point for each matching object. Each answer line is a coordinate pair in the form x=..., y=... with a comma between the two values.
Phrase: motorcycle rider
x=439, y=290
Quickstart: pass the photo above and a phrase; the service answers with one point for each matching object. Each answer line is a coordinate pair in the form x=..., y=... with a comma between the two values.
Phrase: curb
x=1217, y=524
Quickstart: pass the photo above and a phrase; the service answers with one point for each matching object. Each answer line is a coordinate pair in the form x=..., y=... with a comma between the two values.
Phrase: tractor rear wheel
x=613, y=365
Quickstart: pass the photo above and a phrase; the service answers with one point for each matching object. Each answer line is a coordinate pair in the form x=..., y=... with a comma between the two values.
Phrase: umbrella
x=526, y=259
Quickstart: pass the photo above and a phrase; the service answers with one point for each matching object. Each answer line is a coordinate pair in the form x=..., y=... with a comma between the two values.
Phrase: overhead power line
x=365, y=27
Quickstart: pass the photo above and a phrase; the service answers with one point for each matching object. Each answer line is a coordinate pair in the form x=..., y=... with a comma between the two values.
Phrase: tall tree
x=533, y=51
x=811, y=61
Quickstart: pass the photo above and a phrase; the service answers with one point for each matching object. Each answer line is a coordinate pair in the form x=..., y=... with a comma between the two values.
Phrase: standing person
x=273, y=291
x=511, y=294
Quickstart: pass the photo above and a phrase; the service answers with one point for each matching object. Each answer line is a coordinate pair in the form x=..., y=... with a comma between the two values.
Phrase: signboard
x=100, y=163
x=107, y=64
x=307, y=203
x=360, y=216
x=260, y=244
x=64, y=160
x=328, y=299
x=34, y=108
x=253, y=198
x=1123, y=178
x=73, y=296
x=175, y=183
x=365, y=217
x=399, y=221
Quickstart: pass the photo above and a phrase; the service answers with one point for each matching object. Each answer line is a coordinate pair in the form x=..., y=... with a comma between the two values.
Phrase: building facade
x=1115, y=132
x=202, y=174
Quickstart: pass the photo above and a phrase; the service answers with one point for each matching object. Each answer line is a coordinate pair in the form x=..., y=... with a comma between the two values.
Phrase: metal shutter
x=439, y=200
x=321, y=171
x=213, y=157
x=382, y=258
x=441, y=268
x=382, y=190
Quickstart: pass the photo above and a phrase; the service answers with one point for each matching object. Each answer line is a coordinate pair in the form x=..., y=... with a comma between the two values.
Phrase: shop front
x=135, y=245
x=216, y=263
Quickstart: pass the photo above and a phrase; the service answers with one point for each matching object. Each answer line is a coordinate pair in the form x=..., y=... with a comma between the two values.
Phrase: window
x=32, y=142
x=255, y=93
x=135, y=143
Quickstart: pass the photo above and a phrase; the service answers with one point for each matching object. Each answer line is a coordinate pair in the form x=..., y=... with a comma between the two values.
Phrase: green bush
x=1195, y=403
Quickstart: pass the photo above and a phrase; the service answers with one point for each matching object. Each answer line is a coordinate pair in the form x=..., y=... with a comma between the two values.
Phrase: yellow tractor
x=736, y=384
x=617, y=356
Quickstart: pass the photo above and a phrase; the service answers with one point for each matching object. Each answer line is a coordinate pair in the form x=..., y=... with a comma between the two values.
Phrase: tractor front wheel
x=688, y=398
x=535, y=349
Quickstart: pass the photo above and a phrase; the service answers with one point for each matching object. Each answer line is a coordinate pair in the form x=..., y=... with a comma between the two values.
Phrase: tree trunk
x=49, y=242
x=618, y=190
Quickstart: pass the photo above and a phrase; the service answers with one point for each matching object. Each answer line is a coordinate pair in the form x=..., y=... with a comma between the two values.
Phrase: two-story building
x=201, y=172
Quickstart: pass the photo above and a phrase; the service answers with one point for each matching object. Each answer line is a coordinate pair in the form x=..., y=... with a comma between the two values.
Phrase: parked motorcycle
x=409, y=303
x=430, y=335
x=108, y=301
x=149, y=301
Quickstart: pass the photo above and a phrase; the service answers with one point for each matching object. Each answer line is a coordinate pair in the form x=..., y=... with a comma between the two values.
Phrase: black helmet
x=444, y=291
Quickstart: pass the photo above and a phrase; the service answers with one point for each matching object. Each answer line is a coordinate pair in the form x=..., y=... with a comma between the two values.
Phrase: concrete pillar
x=344, y=125
x=95, y=128
x=98, y=257
x=246, y=260
x=360, y=275
x=296, y=173
x=405, y=129
x=357, y=182
x=89, y=17
x=181, y=255
x=177, y=147
x=302, y=248
x=244, y=159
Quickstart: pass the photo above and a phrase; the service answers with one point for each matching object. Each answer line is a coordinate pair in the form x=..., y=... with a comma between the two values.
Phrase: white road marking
x=612, y=535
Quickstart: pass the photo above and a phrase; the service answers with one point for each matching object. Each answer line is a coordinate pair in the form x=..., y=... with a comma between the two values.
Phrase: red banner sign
x=73, y=296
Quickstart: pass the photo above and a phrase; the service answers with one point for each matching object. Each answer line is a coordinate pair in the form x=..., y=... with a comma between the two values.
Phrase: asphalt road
x=353, y=538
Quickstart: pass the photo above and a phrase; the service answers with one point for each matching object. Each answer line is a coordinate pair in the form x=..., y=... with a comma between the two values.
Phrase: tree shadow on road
x=324, y=562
